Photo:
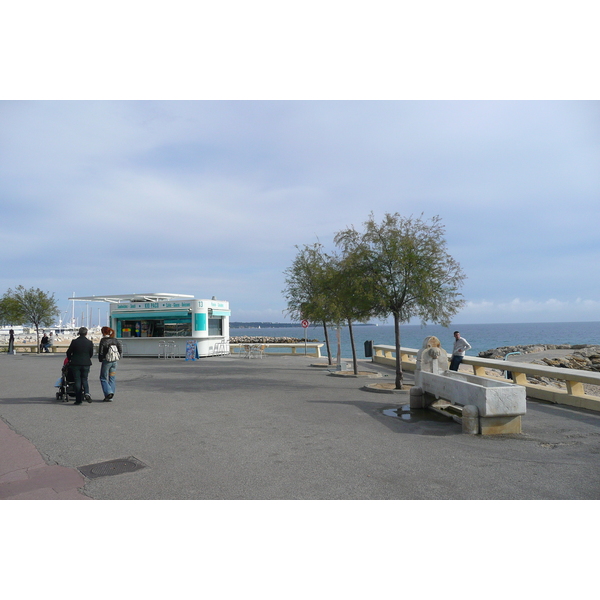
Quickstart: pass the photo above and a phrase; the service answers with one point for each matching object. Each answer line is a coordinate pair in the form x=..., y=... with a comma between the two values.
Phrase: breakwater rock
x=500, y=353
x=263, y=339
x=585, y=357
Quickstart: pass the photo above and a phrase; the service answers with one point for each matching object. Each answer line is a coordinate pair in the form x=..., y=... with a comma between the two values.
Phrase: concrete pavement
x=272, y=428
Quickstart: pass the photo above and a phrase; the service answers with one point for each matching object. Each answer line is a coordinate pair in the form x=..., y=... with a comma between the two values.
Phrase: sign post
x=305, y=324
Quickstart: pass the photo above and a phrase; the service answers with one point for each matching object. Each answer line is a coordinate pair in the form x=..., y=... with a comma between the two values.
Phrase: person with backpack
x=110, y=351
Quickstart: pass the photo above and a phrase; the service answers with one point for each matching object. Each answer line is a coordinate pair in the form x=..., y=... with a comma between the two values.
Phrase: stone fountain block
x=498, y=405
x=492, y=398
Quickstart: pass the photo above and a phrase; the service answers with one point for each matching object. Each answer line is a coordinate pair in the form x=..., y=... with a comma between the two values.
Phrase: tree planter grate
x=112, y=467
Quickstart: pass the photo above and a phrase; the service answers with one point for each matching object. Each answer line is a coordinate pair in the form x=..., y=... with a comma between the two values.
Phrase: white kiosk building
x=163, y=324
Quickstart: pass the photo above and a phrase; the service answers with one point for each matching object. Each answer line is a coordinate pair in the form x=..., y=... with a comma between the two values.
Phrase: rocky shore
x=585, y=357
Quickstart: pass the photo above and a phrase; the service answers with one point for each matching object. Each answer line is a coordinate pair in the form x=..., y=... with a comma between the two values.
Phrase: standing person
x=458, y=352
x=11, y=341
x=108, y=358
x=80, y=354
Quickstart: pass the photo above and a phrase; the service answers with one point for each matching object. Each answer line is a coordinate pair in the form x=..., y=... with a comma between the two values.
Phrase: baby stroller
x=65, y=383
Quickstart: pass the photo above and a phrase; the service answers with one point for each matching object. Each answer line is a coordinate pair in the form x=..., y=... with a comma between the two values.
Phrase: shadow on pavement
x=417, y=427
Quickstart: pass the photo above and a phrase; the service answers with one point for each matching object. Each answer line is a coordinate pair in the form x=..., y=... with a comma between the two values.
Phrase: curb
x=378, y=389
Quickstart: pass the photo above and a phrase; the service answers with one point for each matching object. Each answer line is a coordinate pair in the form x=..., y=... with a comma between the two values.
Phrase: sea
x=481, y=337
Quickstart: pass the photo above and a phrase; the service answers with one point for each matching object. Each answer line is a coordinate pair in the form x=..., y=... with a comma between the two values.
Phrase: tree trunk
x=37, y=335
x=338, y=333
x=354, y=363
x=330, y=362
x=398, y=357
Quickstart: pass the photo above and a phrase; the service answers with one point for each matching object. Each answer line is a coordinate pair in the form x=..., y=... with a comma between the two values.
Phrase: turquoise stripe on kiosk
x=200, y=322
x=151, y=315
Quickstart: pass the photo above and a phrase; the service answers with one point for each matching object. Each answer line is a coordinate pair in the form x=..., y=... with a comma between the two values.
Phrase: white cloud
x=523, y=311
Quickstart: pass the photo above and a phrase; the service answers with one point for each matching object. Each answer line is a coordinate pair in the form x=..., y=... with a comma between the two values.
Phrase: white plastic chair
x=257, y=350
x=171, y=350
x=162, y=349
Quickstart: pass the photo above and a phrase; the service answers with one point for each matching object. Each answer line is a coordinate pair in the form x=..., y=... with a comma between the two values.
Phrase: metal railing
x=574, y=379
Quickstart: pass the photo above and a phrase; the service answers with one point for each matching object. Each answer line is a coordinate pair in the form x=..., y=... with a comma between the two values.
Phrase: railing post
x=519, y=378
x=575, y=388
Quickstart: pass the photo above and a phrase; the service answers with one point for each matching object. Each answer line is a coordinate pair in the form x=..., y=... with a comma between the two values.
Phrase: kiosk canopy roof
x=116, y=298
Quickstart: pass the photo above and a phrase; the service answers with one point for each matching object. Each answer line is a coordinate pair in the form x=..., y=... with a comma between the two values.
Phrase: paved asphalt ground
x=277, y=428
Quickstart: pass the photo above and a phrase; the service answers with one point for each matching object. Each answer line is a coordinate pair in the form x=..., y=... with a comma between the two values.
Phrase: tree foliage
x=399, y=267
x=6, y=312
x=352, y=298
x=308, y=287
x=29, y=306
x=304, y=284
x=327, y=288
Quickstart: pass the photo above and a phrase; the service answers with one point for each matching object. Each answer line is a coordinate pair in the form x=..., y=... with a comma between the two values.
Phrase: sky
x=122, y=173
x=211, y=198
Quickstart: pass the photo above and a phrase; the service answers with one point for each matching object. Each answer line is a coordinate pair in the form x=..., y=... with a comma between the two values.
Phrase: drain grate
x=112, y=467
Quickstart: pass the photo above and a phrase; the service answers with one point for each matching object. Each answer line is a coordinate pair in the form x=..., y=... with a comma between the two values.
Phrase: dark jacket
x=80, y=351
x=105, y=342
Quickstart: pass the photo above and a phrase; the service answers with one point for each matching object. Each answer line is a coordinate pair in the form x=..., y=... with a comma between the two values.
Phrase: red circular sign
x=305, y=323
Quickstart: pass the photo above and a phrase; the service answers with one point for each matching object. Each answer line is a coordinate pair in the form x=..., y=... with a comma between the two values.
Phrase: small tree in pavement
x=412, y=273
x=308, y=289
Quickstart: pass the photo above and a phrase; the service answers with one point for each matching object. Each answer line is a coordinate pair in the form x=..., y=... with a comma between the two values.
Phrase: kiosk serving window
x=164, y=327
x=178, y=329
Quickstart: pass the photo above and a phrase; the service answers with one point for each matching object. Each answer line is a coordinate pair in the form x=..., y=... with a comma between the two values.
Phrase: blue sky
x=209, y=198
x=281, y=125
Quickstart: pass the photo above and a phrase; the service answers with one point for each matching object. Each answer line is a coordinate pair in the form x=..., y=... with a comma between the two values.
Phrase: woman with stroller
x=109, y=352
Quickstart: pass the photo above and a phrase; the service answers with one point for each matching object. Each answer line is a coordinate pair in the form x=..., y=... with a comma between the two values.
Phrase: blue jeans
x=108, y=371
x=455, y=362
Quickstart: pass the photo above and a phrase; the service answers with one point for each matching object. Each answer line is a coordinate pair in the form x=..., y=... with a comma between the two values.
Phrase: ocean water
x=481, y=337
